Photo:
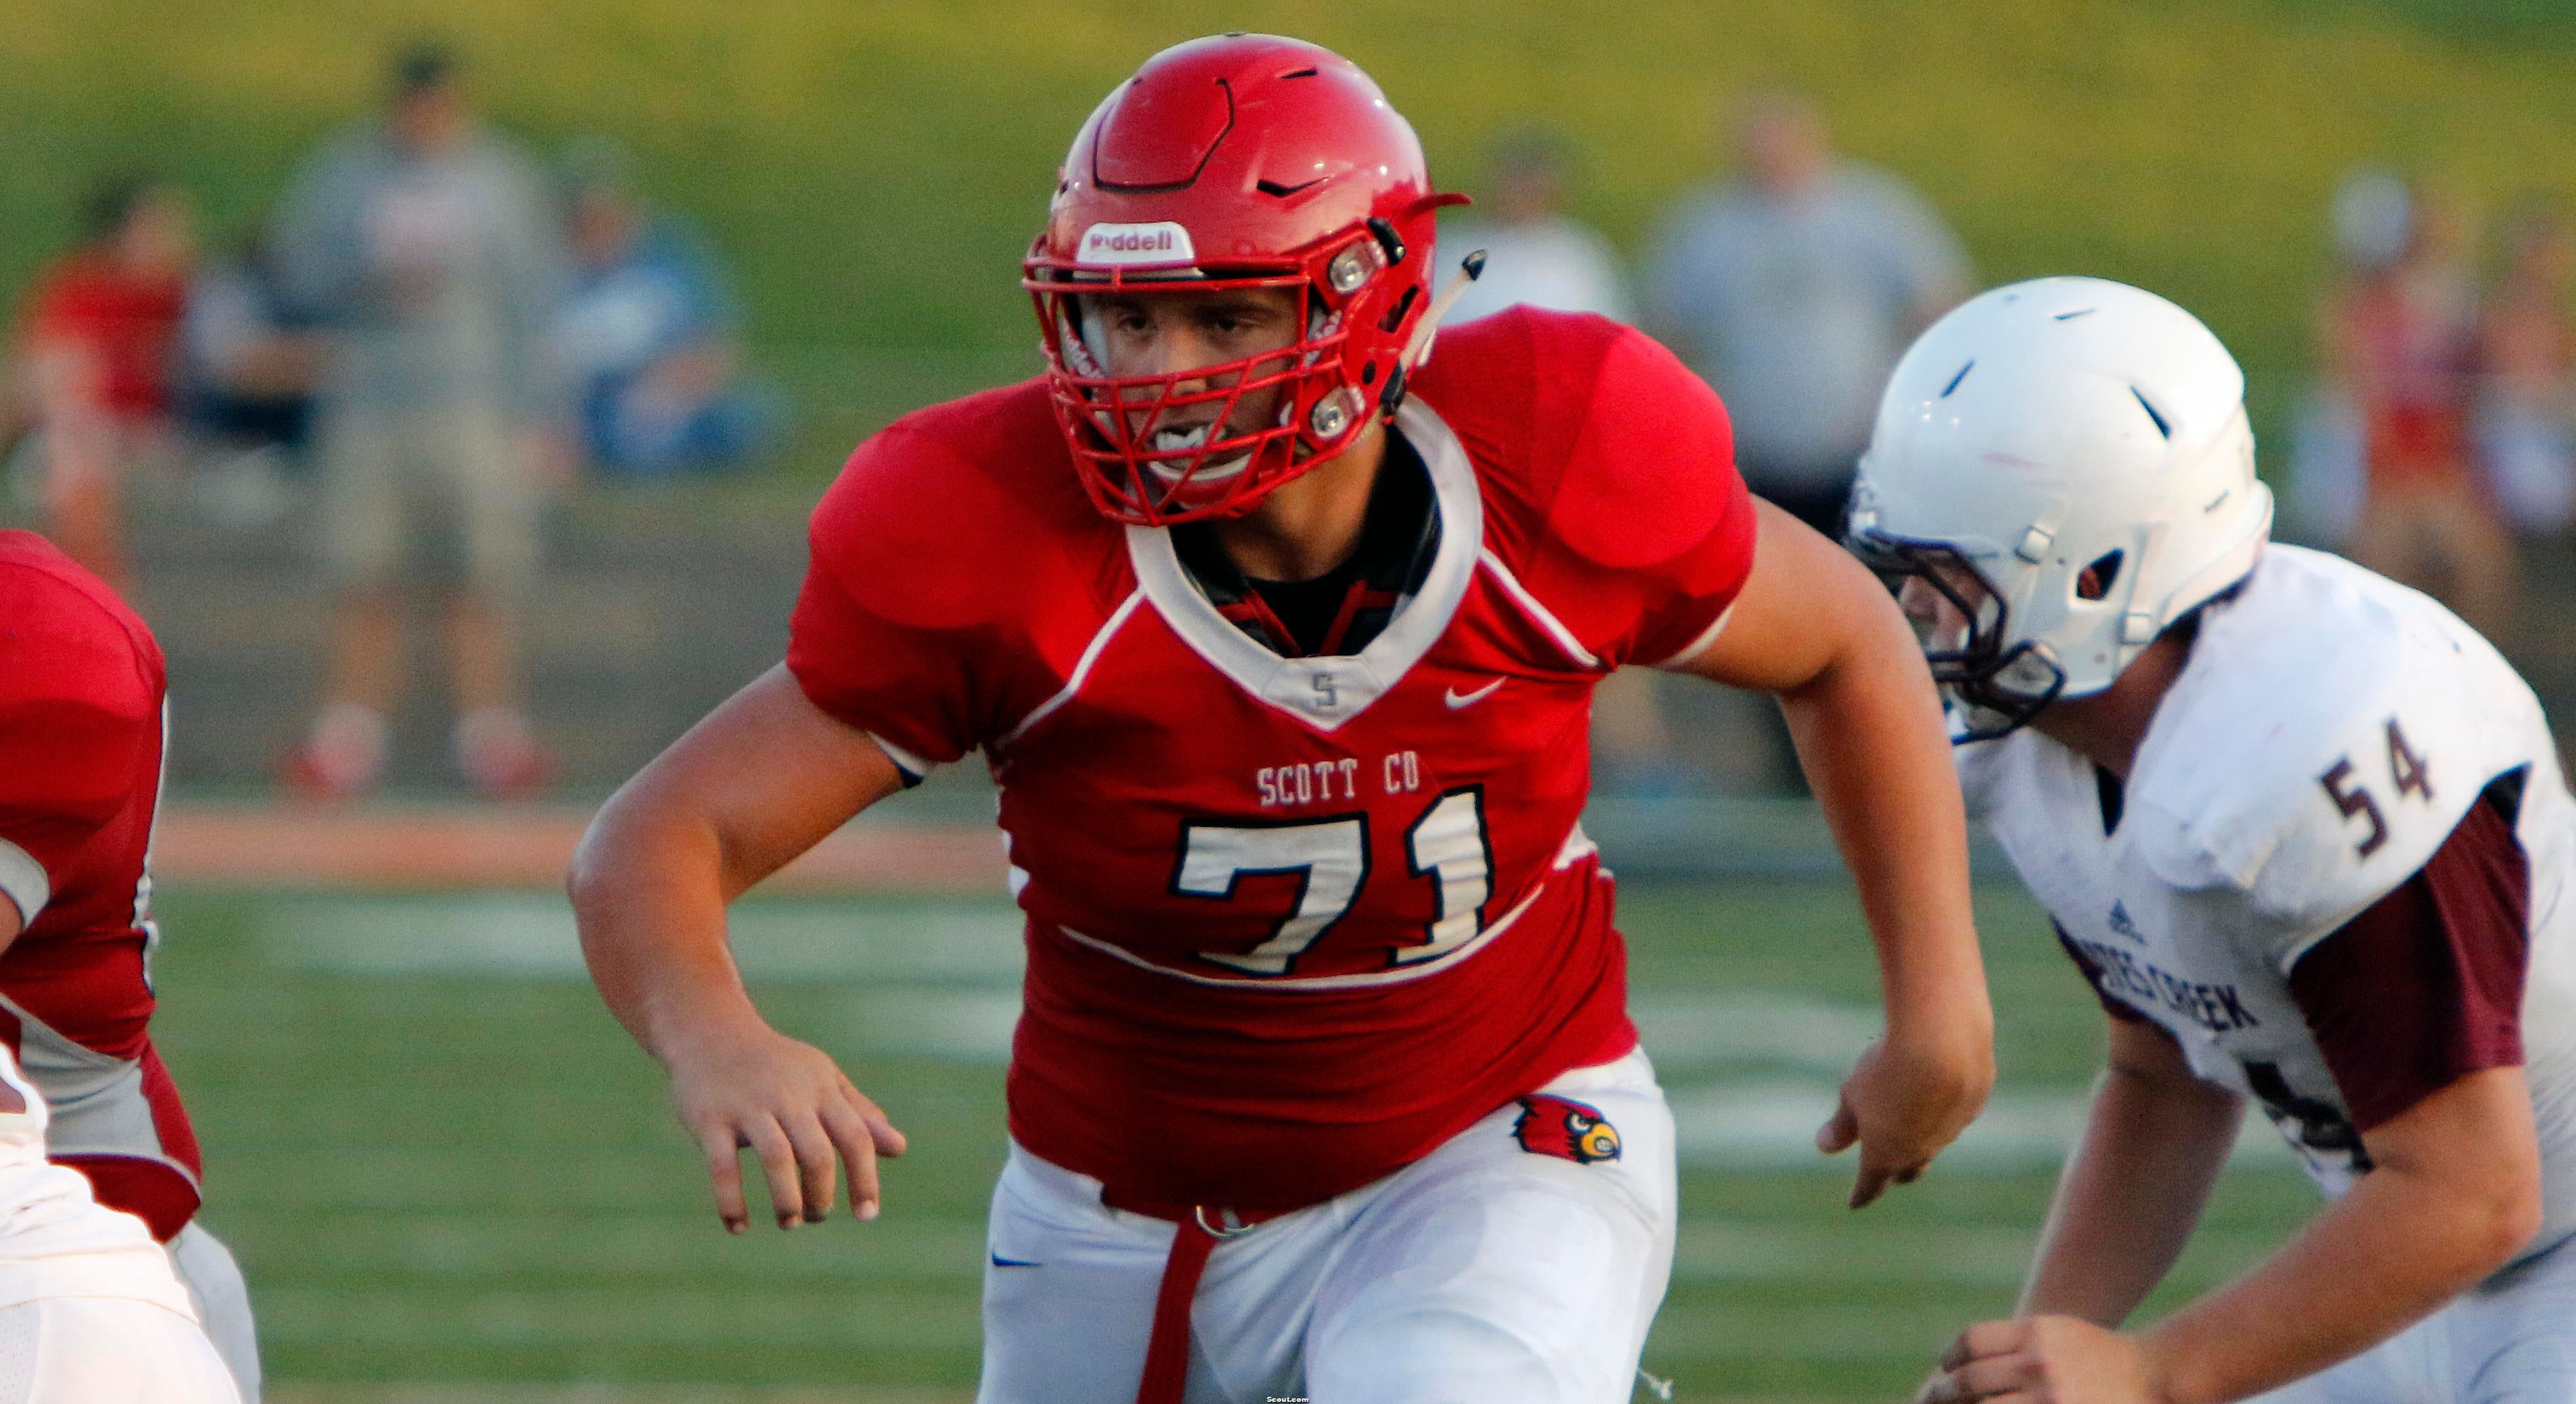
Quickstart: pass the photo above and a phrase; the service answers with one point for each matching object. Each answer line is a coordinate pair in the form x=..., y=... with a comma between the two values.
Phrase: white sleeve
x=1981, y=766
x=23, y=882
x=2309, y=836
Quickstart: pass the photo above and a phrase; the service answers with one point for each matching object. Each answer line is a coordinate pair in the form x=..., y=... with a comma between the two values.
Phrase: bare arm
x=766, y=776
x=2134, y=1189
x=2456, y=1193
x=1816, y=628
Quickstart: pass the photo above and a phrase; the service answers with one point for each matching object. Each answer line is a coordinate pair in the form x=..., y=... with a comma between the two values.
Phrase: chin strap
x=1418, y=350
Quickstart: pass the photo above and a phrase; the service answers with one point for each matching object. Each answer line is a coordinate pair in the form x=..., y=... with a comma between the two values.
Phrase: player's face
x=1174, y=333
x=1937, y=603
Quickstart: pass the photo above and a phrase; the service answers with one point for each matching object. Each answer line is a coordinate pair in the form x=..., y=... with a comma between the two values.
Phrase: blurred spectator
x=429, y=250
x=650, y=336
x=2328, y=477
x=2527, y=381
x=1793, y=289
x=247, y=371
x=1537, y=254
x=2400, y=341
x=93, y=360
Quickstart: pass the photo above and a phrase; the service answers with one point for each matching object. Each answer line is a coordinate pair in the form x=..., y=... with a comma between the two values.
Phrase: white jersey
x=2329, y=730
x=55, y=1239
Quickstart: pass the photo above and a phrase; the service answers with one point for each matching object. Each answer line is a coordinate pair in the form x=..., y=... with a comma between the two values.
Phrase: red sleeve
x=78, y=713
x=1651, y=525
x=2425, y=986
x=1683, y=602
x=883, y=636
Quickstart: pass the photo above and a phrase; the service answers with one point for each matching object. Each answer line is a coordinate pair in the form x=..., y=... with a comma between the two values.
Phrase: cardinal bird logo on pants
x=1566, y=1129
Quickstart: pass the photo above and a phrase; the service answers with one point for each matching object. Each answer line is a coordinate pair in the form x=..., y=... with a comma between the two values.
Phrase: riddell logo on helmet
x=1164, y=242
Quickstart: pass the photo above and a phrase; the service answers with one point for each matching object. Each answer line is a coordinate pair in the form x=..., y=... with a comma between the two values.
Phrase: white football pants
x=214, y=1283
x=2510, y=1340
x=107, y=1350
x=1483, y=1273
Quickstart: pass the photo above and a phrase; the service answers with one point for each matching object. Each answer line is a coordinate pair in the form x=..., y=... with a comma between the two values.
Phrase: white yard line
x=1771, y=1125
x=1750, y=1071
x=529, y=936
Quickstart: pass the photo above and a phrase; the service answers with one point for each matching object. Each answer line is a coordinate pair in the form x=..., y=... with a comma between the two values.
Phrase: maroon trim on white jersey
x=2425, y=986
x=2098, y=978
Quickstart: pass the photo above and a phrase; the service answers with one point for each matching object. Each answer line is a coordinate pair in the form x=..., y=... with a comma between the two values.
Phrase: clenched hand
x=1902, y=1104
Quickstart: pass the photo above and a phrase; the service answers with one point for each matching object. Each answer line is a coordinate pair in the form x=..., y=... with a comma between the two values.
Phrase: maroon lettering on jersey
x=1321, y=913
x=1566, y=1129
x=2097, y=975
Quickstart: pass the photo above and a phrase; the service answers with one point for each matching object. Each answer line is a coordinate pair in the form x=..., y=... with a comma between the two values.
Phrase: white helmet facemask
x=2060, y=470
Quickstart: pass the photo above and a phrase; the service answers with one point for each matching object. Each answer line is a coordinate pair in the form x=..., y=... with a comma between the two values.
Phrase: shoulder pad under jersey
x=2329, y=732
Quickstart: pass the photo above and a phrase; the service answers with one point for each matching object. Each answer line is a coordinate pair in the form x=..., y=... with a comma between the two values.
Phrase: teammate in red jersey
x=1279, y=639
x=81, y=718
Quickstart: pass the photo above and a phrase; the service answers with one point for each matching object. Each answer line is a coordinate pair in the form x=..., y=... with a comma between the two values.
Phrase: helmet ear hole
x=2095, y=581
x=1403, y=305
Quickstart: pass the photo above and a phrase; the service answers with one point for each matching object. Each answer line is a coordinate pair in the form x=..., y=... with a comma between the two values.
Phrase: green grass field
x=443, y=1165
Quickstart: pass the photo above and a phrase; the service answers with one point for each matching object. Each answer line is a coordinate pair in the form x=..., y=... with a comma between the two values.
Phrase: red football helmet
x=1239, y=161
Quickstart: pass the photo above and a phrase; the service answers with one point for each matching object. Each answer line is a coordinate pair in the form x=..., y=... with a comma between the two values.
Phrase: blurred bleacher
x=656, y=608
x=660, y=603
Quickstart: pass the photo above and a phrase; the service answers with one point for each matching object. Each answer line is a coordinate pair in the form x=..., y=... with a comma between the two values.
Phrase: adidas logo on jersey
x=2121, y=923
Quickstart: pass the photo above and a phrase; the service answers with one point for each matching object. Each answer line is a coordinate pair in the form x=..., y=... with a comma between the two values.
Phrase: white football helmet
x=2063, y=467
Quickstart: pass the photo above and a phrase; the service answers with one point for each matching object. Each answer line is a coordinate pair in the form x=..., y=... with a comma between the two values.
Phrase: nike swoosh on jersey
x=1000, y=1261
x=1457, y=699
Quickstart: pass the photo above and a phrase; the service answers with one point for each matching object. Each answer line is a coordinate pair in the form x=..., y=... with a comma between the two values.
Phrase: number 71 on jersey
x=1447, y=846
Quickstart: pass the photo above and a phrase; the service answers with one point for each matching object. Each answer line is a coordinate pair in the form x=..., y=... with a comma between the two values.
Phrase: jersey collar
x=1398, y=542
x=1326, y=692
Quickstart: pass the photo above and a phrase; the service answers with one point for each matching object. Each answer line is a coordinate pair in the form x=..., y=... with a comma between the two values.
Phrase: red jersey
x=81, y=696
x=1292, y=922
x=128, y=323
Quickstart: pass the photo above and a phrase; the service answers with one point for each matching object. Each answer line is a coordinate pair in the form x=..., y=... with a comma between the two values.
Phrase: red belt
x=1199, y=1226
